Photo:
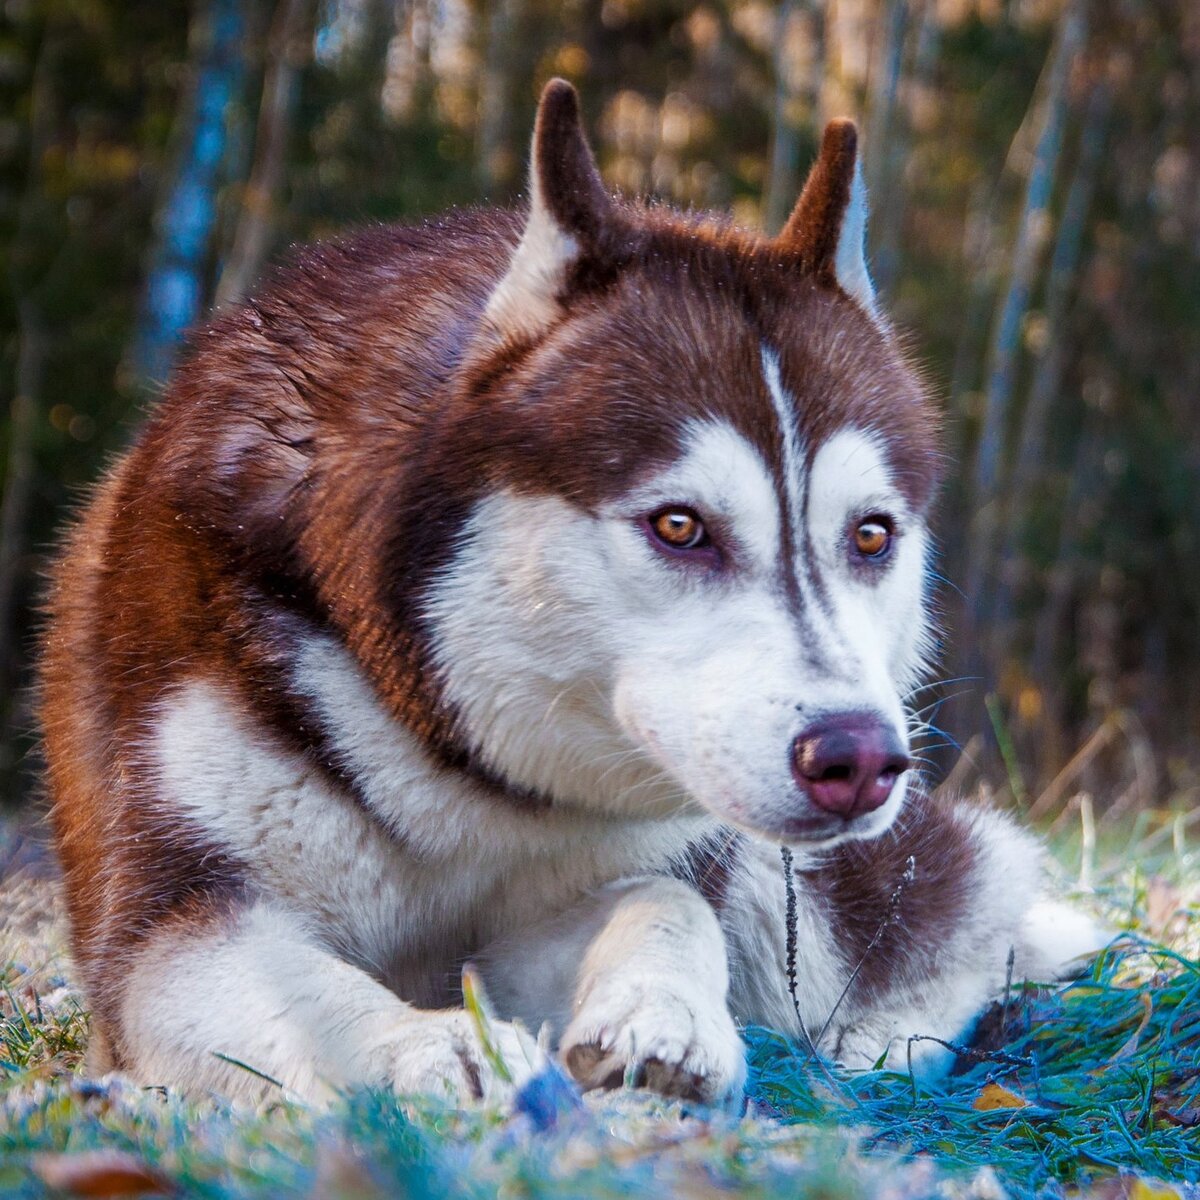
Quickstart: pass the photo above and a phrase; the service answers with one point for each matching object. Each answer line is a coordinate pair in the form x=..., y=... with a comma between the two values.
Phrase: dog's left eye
x=873, y=537
x=679, y=529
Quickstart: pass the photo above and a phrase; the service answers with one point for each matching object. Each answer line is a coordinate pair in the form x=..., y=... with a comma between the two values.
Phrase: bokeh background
x=1035, y=173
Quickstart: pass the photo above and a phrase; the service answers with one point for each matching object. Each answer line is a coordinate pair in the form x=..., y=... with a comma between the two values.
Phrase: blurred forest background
x=1035, y=172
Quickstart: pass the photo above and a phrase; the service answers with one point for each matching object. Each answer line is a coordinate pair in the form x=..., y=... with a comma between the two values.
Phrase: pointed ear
x=828, y=226
x=569, y=223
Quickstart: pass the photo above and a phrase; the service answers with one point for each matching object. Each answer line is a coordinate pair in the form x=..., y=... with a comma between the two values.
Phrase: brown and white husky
x=508, y=589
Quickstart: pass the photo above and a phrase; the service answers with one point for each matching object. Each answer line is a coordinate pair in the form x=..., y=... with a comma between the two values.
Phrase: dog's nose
x=848, y=763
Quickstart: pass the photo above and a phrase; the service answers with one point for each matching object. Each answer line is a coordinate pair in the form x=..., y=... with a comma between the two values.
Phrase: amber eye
x=872, y=537
x=679, y=528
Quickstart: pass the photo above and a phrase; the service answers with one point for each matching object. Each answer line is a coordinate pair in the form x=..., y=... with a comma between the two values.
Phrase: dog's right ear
x=570, y=220
x=828, y=226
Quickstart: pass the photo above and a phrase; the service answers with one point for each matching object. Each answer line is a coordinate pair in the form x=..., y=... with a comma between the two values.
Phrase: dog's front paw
x=440, y=1053
x=658, y=1039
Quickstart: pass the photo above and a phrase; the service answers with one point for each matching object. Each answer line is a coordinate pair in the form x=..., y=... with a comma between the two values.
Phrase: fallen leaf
x=1188, y=1118
x=100, y=1173
x=1152, y=1189
x=993, y=1096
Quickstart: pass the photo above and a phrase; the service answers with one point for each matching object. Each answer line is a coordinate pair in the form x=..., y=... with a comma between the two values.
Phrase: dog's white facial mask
x=593, y=668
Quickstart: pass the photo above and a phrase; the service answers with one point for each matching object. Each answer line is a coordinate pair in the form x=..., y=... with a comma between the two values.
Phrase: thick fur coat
x=507, y=589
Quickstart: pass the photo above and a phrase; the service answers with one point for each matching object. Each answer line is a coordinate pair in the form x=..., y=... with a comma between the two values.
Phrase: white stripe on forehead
x=785, y=414
x=793, y=470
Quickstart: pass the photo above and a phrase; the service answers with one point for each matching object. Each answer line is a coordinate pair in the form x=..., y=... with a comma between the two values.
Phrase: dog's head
x=692, y=567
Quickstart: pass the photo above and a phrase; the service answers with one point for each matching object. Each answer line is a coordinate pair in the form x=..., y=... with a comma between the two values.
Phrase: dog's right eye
x=679, y=529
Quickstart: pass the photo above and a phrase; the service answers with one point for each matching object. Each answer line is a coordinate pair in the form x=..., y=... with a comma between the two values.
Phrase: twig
x=1008, y=974
x=889, y=918
x=237, y=1062
x=1012, y=1061
x=792, y=938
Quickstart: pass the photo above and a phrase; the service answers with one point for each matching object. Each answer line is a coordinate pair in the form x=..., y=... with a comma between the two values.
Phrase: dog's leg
x=254, y=988
x=635, y=980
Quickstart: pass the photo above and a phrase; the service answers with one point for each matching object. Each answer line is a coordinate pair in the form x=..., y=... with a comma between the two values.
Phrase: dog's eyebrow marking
x=785, y=414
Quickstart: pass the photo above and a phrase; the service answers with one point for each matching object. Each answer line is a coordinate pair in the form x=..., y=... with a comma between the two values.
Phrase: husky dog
x=508, y=589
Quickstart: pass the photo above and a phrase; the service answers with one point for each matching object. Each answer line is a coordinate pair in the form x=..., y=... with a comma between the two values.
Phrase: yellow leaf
x=1152, y=1189
x=993, y=1096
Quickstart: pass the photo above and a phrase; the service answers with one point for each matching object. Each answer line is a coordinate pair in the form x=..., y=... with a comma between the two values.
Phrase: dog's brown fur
x=320, y=447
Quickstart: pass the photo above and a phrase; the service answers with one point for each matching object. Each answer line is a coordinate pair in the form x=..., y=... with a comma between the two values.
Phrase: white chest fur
x=421, y=871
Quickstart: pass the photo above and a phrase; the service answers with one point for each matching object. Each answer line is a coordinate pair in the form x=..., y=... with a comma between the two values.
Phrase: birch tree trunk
x=1053, y=356
x=893, y=192
x=288, y=44
x=885, y=87
x=1060, y=288
x=174, y=291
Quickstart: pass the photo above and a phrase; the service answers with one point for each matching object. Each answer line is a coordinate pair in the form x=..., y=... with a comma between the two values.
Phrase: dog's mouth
x=822, y=832
x=809, y=827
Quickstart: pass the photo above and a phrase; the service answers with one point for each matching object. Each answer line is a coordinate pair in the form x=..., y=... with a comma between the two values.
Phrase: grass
x=1091, y=1089
x=1099, y=1077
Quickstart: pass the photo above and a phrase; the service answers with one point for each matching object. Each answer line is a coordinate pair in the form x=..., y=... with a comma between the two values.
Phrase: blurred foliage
x=1085, y=605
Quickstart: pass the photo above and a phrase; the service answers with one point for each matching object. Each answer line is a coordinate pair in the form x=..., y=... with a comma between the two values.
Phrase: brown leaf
x=100, y=1173
x=1187, y=1118
x=992, y=1096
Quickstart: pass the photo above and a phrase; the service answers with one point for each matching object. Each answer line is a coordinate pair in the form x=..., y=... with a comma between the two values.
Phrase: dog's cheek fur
x=525, y=622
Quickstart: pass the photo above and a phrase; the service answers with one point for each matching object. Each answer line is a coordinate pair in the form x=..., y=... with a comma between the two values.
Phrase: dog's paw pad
x=665, y=1043
x=670, y=1079
x=593, y=1066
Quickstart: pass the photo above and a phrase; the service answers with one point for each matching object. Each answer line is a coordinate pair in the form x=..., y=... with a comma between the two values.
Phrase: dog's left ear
x=828, y=226
x=571, y=220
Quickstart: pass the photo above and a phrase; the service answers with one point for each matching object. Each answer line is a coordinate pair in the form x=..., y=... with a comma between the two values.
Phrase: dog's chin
x=815, y=830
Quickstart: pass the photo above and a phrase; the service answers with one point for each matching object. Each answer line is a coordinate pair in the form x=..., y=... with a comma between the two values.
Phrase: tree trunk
x=174, y=292
x=885, y=86
x=288, y=44
x=892, y=190
x=498, y=158
x=1004, y=353
x=1053, y=358
x=796, y=104
x=1060, y=287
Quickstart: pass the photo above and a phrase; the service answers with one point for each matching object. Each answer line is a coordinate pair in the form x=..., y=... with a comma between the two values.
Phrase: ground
x=1089, y=1090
